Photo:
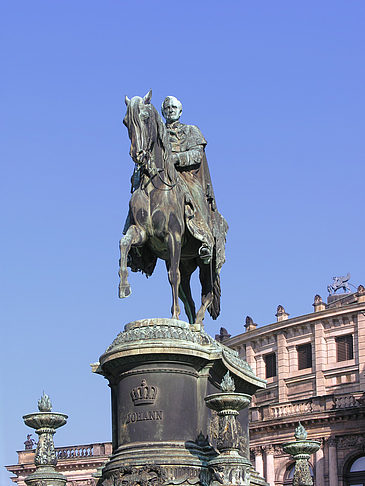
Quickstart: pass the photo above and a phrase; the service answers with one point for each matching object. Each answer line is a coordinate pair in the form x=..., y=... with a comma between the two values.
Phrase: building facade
x=79, y=464
x=315, y=371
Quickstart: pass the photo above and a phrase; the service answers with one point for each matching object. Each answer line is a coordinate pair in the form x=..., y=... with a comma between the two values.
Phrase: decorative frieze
x=349, y=441
x=149, y=475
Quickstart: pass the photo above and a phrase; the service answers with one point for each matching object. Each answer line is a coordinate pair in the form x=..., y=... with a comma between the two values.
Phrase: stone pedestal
x=160, y=371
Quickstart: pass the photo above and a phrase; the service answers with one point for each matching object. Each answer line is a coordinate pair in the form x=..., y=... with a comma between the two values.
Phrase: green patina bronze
x=172, y=211
x=301, y=450
x=45, y=422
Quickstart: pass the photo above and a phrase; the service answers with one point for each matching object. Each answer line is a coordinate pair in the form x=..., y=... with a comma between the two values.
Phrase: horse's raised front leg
x=173, y=271
x=134, y=236
x=205, y=277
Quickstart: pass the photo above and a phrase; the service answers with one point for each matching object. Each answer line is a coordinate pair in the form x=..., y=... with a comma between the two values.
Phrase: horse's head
x=147, y=132
x=140, y=120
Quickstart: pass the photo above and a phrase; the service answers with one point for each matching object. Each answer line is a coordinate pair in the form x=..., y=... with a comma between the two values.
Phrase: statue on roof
x=339, y=283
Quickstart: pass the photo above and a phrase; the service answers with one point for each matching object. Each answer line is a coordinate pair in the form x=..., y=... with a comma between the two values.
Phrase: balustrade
x=74, y=451
x=312, y=405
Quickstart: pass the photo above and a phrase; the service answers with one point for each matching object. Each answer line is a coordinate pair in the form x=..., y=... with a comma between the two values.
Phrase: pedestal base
x=159, y=371
x=46, y=476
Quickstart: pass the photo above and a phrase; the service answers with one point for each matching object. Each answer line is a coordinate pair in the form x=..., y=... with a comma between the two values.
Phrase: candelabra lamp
x=45, y=422
x=301, y=450
x=229, y=467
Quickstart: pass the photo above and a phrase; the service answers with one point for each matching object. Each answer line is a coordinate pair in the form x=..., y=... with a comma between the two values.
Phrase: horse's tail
x=215, y=307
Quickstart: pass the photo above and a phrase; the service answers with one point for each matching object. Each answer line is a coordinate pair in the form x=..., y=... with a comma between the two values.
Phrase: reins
x=144, y=167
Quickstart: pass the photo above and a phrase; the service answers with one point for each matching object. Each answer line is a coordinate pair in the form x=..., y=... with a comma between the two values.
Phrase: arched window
x=355, y=475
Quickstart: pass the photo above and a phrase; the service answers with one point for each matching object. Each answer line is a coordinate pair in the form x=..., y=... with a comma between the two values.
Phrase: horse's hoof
x=124, y=291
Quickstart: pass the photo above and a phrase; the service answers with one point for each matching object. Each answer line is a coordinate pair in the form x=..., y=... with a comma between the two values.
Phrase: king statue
x=188, y=149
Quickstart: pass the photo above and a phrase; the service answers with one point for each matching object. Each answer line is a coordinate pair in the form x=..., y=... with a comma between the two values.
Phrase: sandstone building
x=315, y=371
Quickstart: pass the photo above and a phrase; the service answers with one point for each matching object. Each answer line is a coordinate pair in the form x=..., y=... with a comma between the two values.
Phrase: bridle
x=146, y=166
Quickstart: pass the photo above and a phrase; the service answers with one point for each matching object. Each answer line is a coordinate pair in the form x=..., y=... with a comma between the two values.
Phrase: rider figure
x=188, y=144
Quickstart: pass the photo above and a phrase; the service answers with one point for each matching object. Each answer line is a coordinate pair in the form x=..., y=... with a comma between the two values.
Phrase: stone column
x=361, y=348
x=260, y=366
x=283, y=367
x=270, y=470
x=320, y=358
x=259, y=461
x=319, y=458
x=332, y=462
x=293, y=358
x=331, y=350
x=250, y=356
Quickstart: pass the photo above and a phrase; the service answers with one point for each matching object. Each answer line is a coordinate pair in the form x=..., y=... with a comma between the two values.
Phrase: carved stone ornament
x=349, y=441
x=150, y=475
x=44, y=403
x=317, y=299
x=300, y=432
x=168, y=331
x=256, y=451
x=83, y=482
x=144, y=394
x=269, y=449
x=302, y=475
x=231, y=474
x=227, y=383
x=175, y=331
x=45, y=453
x=240, y=439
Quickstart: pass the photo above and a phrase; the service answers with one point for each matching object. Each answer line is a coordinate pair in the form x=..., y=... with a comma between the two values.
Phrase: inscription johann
x=133, y=417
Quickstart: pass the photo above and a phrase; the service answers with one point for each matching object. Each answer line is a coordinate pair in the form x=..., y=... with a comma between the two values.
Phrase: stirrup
x=205, y=253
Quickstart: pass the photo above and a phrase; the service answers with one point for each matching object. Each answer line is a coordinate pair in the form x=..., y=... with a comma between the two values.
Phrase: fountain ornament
x=45, y=422
x=301, y=450
x=229, y=467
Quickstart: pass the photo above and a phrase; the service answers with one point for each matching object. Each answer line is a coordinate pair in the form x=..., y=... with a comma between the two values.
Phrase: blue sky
x=277, y=89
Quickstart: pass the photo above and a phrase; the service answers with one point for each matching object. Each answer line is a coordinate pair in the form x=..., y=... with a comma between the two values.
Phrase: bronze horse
x=156, y=226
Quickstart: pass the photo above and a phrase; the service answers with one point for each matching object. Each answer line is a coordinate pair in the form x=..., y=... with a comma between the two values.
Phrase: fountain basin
x=301, y=447
x=227, y=401
x=39, y=420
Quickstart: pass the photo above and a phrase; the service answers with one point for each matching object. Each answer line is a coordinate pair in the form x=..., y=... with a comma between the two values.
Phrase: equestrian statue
x=172, y=211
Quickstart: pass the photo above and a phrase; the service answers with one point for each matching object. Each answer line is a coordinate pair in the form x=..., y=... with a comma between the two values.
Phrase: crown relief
x=144, y=394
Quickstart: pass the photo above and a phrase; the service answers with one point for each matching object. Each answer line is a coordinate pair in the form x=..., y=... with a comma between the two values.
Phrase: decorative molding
x=269, y=449
x=349, y=441
x=161, y=331
x=149, y=475
x=144, y=394
x=256, y=451
x=176, y=331
x=332, y=442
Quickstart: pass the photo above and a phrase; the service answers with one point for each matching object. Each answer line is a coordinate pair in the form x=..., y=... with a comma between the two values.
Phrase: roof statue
x=172, y=214
x=339, y=283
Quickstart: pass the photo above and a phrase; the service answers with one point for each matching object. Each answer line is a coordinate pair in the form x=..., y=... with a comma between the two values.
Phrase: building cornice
x=299, y=320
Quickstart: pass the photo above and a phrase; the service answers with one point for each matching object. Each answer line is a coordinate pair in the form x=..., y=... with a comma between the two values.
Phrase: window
x=345, y=347
x=270, y=365
x=304, y=356
x=355, y=475
x=358, y=465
